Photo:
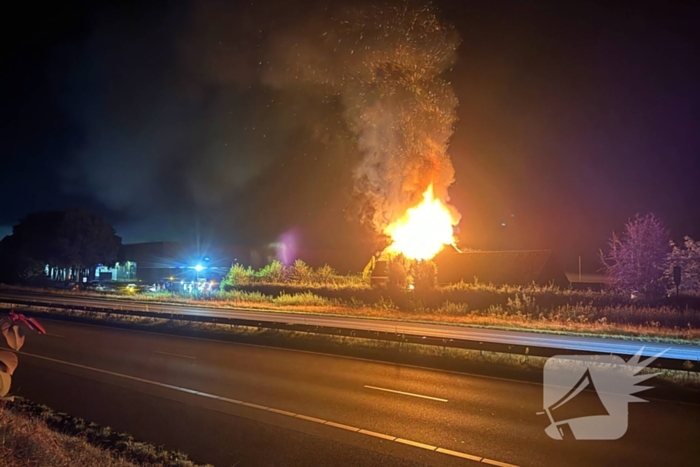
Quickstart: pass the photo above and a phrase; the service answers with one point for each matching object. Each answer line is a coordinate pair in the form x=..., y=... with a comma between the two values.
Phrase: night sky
x=572, y=117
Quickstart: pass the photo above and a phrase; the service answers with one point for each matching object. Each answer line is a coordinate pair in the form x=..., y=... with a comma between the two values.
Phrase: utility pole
x=579, y=269
x=199, y=253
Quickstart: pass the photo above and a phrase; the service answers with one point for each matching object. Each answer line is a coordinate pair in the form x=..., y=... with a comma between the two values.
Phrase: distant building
x=125, y=271
x=156, y=261
x=500, y=267
x=153, y=261
x=587, y=281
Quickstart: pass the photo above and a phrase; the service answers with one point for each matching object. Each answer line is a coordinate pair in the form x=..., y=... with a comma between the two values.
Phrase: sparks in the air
x=423, y=230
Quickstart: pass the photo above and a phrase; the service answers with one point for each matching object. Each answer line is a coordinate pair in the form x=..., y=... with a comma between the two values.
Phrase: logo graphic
x=601, y=412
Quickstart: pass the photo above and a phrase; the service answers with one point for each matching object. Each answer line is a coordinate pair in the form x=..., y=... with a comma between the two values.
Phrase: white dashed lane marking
x=439, y=399
x=175, y=355
x=307, y=418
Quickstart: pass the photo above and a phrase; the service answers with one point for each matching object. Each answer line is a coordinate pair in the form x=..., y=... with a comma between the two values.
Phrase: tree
x=69, y=242
x=688, y=258
x=15, y=266
x=638, y=259
x=87, y=239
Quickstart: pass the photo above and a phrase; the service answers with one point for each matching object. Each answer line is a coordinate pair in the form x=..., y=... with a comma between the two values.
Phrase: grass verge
x=539, y=309
x=34, y=435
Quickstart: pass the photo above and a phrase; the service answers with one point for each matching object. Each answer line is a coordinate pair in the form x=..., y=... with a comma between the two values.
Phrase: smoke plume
x=252, y=118
x=384, y=64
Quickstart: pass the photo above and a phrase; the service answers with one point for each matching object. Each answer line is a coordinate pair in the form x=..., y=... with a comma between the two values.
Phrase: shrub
x=238, y=275
x=325, y=275
x=273, y=273
x=424, y=276
x=688, y=258
x=398, y=273
x=301, y=273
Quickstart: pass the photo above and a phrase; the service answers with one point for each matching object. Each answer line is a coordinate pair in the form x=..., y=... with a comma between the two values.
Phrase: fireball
x=423, y=230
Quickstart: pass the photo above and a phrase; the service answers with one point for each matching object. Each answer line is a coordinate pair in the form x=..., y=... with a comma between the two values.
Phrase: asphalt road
x=531, y=339
x=232, y=404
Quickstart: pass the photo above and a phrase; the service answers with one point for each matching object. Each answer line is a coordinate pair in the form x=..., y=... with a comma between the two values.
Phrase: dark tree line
x=71, y=243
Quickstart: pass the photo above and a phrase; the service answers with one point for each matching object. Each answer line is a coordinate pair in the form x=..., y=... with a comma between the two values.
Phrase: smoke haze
x=384, y=64
x=249, y=91
x=246, y=120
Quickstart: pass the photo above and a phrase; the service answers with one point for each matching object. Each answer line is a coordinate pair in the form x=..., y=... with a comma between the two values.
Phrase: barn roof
x=498, y=267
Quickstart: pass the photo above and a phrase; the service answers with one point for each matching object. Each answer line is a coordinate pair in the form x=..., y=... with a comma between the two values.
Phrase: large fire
x=423, y=230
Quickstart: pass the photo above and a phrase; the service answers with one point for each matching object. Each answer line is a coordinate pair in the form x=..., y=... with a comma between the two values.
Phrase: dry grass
x=27, y=442
x=34, y=435
x=625, y=321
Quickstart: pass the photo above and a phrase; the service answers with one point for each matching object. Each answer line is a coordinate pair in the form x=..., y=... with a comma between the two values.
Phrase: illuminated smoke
x=385, y=65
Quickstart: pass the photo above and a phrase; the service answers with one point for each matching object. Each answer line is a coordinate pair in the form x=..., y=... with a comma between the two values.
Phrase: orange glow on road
x=423, y=230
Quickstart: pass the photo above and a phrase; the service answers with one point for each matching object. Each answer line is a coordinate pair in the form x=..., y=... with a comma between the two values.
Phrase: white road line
x=311, y=419
x=459, y=454
x=254, y=406
x=281, y=412
x=416, y=444
x=277, y=411
x=497, y=463
x=53, y=335
x=407, y=393
x=377, y=435
x=226, y=399
x=342, y=427
x=175, y=355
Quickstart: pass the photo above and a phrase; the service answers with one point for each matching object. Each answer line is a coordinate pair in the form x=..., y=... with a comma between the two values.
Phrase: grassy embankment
x=515, y=366
x=34, y=435
x=303, y=289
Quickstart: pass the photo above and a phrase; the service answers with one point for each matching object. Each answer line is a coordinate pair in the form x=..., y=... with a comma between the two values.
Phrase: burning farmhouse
x=385, y=67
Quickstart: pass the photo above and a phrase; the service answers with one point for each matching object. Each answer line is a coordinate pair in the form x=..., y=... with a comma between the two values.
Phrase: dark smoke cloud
x=254, y=119
x=385, y=65
x=580, y=114
x=167, y=143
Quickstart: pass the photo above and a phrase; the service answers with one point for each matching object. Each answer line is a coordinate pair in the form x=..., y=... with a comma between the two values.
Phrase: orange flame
x=423, y=230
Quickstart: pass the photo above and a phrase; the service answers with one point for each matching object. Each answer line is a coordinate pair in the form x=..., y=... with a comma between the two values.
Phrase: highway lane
x=191, y=393
x=574, y=343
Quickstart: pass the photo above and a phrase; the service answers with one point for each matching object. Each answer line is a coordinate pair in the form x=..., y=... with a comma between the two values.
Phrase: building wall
x=125, y=271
